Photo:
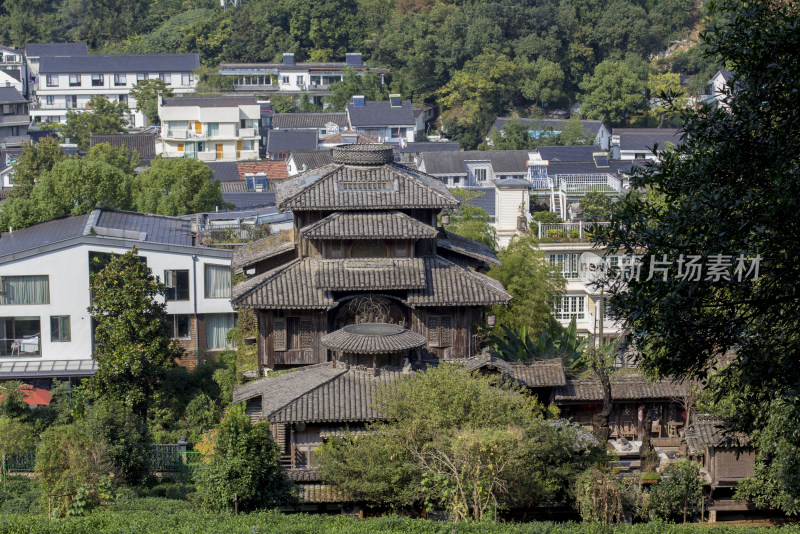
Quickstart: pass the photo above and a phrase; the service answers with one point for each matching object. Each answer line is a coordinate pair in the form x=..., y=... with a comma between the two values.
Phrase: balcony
x=21, y=336
x=573, y=232
x=248, y=132
x=15, y=140
x=18, y=119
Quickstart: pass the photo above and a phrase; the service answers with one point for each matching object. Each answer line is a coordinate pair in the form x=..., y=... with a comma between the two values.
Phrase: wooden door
x=198, y=128
x=219, y=151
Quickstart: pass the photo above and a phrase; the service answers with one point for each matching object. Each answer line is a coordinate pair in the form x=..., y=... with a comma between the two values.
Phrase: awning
x=373, y=338
x=47, y=368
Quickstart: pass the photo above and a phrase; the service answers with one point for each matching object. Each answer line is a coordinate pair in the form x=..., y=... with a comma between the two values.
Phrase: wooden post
x=236, y=503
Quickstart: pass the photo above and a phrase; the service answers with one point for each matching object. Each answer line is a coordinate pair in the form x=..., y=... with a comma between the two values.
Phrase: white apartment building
x=223, y=128
x=68, y=82
x=45, y=328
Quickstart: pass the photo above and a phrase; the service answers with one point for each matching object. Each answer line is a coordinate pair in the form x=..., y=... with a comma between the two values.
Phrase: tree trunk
x=602, y=424
x=647, y=430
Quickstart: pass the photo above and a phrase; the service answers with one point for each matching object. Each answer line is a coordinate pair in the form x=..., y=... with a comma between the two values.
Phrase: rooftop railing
x=567, y=232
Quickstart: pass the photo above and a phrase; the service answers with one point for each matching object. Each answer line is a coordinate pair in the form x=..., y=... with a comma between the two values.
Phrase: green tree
x=147, y=94
x=514, y=136
x=12, y=400
x=666, y=96
x=177, y=186
x=119, y=157
x=472, y=221
x=15, y=437
x=599, y=496
x=133, y=345
x=679, y=491
x=533, y=283
x=573, y=133
x=102, y=116
x=708, y=204
x=34, y=160
x=369, y=85
x=597, y=207
x=613, y=93
x=462, y=441
x=243, y=464
x=545, y=84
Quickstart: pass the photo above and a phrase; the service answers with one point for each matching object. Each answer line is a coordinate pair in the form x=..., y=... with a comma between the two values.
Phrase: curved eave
x=341, y=341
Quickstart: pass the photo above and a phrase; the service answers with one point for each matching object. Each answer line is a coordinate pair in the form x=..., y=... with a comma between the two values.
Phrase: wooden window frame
x=440, y=331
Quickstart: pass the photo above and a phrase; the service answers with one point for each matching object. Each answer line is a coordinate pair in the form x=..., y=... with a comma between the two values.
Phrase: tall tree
x=102, y=116
x=613, y=93
x=742, y=232
x=147, y=93
x=471, y=221
x=133, y=345
x=34, y=160
x=177, y=186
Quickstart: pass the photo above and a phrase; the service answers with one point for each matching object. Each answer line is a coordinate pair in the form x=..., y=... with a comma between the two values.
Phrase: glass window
x=300, y=80
x=186, y=78
x=398, y=133
x=25, y=289
x=20, y=336
x=177, y=283
x=568, y=263
x=568, y=307
x=52, y=80
x=74, y=80
x=285, y=80
x=141, y=77
x=166, y=77
x=480, y=175
x=217, y=327
x=97, y=80
x=50, y=100
x=247, y=145
x=180, y=326
x=59, y=328
x=218, y=281
x=213, y=129
x=120, y=80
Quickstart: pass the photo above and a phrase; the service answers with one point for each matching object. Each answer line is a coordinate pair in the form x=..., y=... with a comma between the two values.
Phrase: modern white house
x=45, y=328
x=223, y=128
x=68, y=82
x=13, y=72
x=14, y=118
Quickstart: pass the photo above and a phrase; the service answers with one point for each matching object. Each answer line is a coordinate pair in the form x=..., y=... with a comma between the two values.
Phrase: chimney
x=353, y=59
x=288, y=59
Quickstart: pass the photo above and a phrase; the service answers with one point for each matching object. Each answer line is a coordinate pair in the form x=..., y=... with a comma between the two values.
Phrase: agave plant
x=553, y=342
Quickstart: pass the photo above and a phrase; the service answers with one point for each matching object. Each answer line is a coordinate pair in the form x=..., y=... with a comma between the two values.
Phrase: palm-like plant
x=553, y=342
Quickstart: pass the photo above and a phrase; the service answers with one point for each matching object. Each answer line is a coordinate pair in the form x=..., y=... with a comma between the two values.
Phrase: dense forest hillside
x=472, y=57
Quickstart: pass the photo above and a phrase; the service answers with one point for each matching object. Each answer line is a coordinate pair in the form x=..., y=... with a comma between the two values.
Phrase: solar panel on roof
x=601, y=160
x=358, y=102
x=395, y=101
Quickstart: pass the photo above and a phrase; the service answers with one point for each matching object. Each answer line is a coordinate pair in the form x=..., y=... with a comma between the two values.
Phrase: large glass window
x=218, y=282
x=568, y=307
x=213, y=129
x=568, y=263
x=74, y=80
x=25, y=289
x=217, y=327
x=20, y=336
x=181, y=326
x=97, y=80
x=60, y=328
x=52, y=80
x=120, y=80
x=177, y=283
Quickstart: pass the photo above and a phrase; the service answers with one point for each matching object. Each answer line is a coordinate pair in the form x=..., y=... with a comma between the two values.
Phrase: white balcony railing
x=588, y=183
x=248, y=132
x=567, y=232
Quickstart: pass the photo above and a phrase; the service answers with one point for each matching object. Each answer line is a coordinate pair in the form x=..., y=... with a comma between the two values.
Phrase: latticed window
x=440, y=331
x=568, y=307
x=568, y=264
x=290, y=333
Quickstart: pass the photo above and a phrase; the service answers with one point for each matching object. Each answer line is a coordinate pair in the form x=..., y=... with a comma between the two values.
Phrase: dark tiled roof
x=538, y=374
x=120, y=63
x=644, y=139
x=381, y=113
x=278, y=391
x=426, y=146
x=276, y=170
x=290, y=286
x=448, y=284
x=338, y=138
x=312, y=159
x=244, y=257
x=452, y=163
x=158, y=228
x=320, y=493
x=14, y=73
x=249, y=200
x=308, y=120
x=318, y=189
x=209, y=101
x=711, y=431
x=304, y=475
x=568, y=153
x=487, y=360
x=56, y=49
x=590, y=127
x=9, y=95
x=373, y=338
x=224, y=171
x=42, y=234
x=625, y=387
x=288, y=140
x=369, y=274
x=368, y=225
x=485, y=201
x=467, y=247
x=346, y=398
x=236, y=186
x=143, y=143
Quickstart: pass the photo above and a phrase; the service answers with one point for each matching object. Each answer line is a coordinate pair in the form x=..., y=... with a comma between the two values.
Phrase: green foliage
x=147, y=94
x=597, y=207
x=244, y=465
x=599, y=496
x=533, y=284
x=368, y=85
x=666, y=95
x=177, y=186
x=446, y=429
x=553, y=342
x=12, y=400
x=34, y=160
x=545, y=83
x=573, y=133
x=133, y=345
x=471, y=221
x=15, y=437
x=613, y=93
x=119, y=157
x=707, y=204
x=678, y=493
x=515, y=136
x=545, y=217
x=103, y=116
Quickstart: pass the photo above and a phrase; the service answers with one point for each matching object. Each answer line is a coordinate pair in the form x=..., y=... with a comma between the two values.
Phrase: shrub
x=545, y=217
x=599, y=496
x=678, y=492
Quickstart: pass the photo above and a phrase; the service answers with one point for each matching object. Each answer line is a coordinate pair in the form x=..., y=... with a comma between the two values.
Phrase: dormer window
x=395, y=101
x=480, y=175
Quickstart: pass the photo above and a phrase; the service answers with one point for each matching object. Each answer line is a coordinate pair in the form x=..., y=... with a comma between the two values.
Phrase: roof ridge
x=339, y=372
x=482, y=278
x=263, y=278
x=302, y=189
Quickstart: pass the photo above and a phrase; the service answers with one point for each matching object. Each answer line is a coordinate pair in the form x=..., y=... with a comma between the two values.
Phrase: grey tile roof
x=614, y=166
x=320, y=493
x=543, y=373
x=380, y=113
x=369, y=274
x=485, y=201
x=363, y=339
x=590, y=127
x=624, y=387
x=448, y=284
x=42, y=234
x=224, y=171
x=56, y=49
x=311, y=159
x=247, y=256
x=14, y=73
x=237, y=186
x=487, y=360
x=429, y=146
x=210, y=101
x=307, y=120
x=143, y=143
x=453, y=163
x=304, y=475
x=289, y=140
x=467, y=247
x=290, y=286
x=158, y=228
x=368, y=225
x=389, y=186
x=9, y=95
x=119, y=63
x=346, y=398
x=278, y=391
x=708, y=430
x=568, y=153
x=644, y=139
x=250, y=199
